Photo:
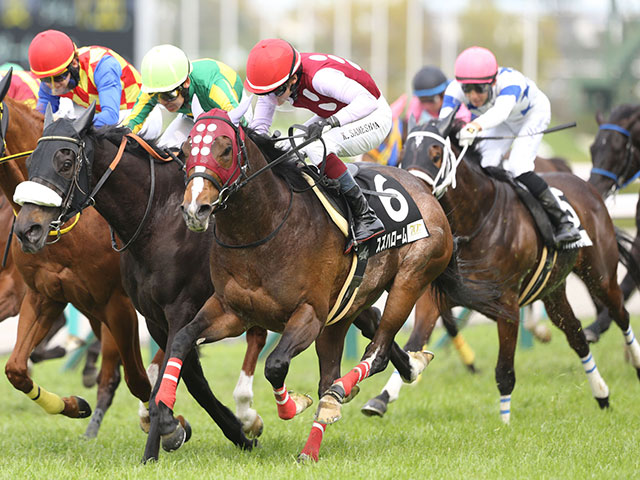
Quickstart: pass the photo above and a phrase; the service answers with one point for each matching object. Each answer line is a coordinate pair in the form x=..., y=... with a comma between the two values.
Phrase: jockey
x=349, y=110
x=503, y=102
x=24, y=85
x=186, y=88
x=84, y=75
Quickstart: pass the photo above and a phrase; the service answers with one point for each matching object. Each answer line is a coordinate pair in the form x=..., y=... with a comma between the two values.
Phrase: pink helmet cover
x=476, y=65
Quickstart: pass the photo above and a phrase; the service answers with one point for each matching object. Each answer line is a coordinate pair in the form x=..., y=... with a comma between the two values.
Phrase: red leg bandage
x=356, y=375
x=167, y=392
x=286, y=405
x=312, y=447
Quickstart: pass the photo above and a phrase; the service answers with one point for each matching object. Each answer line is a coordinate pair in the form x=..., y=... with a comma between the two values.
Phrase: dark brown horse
x=615, y=154
x=278, y=262
x=502, y=240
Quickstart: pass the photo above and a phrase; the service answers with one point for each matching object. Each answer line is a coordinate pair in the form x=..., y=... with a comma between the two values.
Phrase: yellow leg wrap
x=464, y=350
x=50, y=402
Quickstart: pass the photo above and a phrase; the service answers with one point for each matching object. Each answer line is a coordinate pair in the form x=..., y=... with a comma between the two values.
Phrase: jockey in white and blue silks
x=503, y=102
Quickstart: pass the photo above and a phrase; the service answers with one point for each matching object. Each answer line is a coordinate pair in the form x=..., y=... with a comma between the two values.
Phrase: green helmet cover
x=164, y=68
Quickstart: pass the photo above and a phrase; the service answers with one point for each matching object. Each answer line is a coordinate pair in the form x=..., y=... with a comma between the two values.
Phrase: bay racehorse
x=278, y=262
x=615, y=154
x=162, y=268
x=81, y=269
x=500, y=236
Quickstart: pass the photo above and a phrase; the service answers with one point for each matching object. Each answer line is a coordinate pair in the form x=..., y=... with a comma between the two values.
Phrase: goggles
x=170, y=96
x=429, y=99
x=58, y=78
x=476, y=87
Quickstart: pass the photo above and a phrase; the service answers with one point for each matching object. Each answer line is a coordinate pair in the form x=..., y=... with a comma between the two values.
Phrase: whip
x=548, y=130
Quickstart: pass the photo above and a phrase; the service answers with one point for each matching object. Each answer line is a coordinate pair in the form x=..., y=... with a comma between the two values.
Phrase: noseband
x=619, y=182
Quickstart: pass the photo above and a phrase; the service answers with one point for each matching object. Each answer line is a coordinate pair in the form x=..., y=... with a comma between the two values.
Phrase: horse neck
x=123, y=198
x=24, y=129
x=256, y=209
x=473, y=196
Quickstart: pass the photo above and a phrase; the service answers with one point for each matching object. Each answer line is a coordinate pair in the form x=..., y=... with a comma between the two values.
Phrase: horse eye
x=227, y=151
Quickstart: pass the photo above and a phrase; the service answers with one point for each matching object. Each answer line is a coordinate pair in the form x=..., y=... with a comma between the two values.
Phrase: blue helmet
x=429, y=81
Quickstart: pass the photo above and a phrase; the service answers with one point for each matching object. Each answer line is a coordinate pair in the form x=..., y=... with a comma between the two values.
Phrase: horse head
x=430, y=155
x=216, y=163
x=614, y=151
x=59, y=179
x=5, y=83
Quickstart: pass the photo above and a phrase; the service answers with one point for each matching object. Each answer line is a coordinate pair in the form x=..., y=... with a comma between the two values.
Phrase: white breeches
x=355, y=138
x=523, y=149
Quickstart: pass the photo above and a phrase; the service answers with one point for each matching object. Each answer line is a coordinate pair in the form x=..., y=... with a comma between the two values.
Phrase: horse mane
x=624, y=111
x=286, y=169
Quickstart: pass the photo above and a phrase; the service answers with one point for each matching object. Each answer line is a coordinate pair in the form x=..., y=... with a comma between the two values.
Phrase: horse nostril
x=204, y=211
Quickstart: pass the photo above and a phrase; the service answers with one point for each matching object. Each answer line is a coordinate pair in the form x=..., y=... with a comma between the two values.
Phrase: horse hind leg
x=561, y=314
x=109, y=379
x=252, y=423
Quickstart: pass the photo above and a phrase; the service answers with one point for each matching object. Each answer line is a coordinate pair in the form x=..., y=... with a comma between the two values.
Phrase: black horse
x=615, y=154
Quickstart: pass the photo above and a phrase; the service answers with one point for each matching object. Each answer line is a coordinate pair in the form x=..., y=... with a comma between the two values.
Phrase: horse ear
x=85, y=119
x=5, y=84
x=599, y=117
x=48, y=116
x=444, y=124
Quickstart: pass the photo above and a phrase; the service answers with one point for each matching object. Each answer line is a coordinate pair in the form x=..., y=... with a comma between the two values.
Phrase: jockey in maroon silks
x=350, y=112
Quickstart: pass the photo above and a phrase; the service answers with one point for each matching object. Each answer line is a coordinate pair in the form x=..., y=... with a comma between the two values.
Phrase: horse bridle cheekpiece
x=619, y=181
x=207, y=128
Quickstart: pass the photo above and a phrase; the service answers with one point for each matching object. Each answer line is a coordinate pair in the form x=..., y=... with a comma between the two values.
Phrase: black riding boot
x=367, y=224
x=565, y=231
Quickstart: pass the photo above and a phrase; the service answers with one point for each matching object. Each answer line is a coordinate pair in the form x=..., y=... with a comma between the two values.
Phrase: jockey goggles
x=58, y=78
x=170, y=96
x=476, y=87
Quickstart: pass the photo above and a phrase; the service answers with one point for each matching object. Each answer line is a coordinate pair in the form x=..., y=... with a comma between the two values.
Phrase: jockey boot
x=565, y=231
x=367, y=224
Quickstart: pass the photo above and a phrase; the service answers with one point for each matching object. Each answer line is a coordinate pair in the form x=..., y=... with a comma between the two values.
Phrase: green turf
x=446, y=426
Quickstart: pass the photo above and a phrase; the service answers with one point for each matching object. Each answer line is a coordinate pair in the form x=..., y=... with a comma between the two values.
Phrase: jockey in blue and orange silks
x=350, y=112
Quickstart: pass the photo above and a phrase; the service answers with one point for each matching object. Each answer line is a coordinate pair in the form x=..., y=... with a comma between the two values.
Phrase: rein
x=619, y=182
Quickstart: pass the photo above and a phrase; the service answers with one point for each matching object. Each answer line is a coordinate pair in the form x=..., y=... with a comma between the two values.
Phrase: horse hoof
x=591, y=336
x=255, y=429
x=542, y=333
x=328, y=410
x=90, y=377
x=472, y=368
x=173, y=441
x=187, y=427
x=603, y=402
x=302, y=401
x=638, y=373
x=83, y=409
x=374, y=408
x=304, y=458
x=418, y=361
x=354, y=391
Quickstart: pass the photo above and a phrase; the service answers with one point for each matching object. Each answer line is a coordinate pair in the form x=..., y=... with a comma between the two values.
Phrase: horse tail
x=625, y=243
x=453, y=287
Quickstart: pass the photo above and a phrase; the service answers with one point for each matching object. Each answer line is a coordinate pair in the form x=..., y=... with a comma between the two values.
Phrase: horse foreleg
x=300, y=331
x=109, y=379
x=562, y=316
x=252, y=423
x=37, y=314
x=505, y=373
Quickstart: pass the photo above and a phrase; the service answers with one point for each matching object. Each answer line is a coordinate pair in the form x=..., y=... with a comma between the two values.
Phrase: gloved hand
x=317, y=128
x=468, y=134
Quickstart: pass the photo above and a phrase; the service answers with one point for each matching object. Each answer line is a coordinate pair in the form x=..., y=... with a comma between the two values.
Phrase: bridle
x=619, y=180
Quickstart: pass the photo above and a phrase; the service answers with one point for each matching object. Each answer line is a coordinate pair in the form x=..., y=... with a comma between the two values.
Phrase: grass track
x=446, y=426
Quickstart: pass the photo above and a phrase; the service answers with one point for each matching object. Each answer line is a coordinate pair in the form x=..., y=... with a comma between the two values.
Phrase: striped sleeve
x=143, y=106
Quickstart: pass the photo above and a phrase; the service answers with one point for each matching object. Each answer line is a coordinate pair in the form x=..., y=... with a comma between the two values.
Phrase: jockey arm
x=334, y=84
x=141, y=110
x=498, y=113
x=107, y=79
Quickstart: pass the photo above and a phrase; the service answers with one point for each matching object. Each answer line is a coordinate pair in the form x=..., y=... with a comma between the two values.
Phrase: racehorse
x=278, y=262
x=500, y=236
x=80, y=269
x=616, y=163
